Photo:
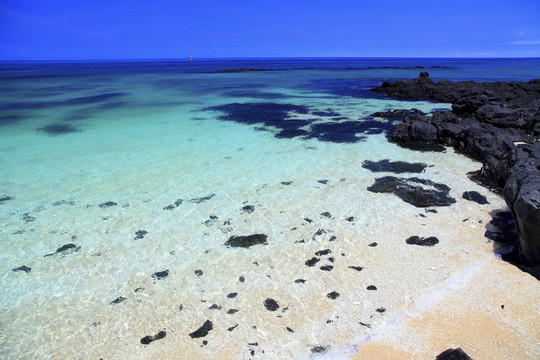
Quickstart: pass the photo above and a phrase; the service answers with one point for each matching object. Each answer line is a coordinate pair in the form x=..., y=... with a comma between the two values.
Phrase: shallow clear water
x=143, y=135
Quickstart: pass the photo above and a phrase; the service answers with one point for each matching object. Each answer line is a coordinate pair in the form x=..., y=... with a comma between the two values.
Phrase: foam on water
x=157, y=143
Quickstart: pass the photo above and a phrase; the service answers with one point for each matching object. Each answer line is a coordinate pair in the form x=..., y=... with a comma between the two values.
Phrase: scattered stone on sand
x=476, y=197
x=140, y=234
x=203, y=330
x=453, y=354
x=202, y=199
x=148, y=339
x=357, y=268
x=320, y=349
x=271, y=304
x=396, y=167
x=118, y=300
x=333, y=295
x=415, y=191
x=311, y=262
x=417, y=240
x=65, y=250
x=323, y=252
x=177, y=203
x=248, y=209
x=28, y=218
x=24, y=268
x=160, y=275
x=247, y=241
x=107, y=204
x=5, y=198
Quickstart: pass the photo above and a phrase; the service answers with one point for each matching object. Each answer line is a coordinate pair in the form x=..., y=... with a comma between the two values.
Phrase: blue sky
x=119, y=29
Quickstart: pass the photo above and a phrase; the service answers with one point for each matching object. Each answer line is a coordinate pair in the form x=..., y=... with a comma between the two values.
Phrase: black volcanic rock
x=148, y=339
x=247, y=241
x=476, y=197
x=415, y=191
x=396, y=167
x=522, y=195
x=203, y=330
x=486, y=122
x=453, y=354
x=416, y=240
x=271, y=304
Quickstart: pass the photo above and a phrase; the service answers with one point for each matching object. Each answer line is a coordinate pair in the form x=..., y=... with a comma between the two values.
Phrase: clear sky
x=121, y=29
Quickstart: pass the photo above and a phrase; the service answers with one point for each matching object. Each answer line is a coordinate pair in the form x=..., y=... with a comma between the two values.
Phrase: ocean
x=121, y=182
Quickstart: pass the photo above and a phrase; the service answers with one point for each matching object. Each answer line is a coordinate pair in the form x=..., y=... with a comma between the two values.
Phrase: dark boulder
x=453, y=354
x=476, y=197
x=415, y=191
x=522, y=195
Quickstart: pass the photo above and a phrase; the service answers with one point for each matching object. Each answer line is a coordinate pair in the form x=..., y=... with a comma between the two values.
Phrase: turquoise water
x=91, y=154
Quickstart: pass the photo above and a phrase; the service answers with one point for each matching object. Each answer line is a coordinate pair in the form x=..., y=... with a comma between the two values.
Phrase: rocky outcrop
x=497, y=123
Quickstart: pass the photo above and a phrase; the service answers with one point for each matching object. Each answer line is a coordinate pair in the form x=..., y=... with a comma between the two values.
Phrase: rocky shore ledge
x=497, y=123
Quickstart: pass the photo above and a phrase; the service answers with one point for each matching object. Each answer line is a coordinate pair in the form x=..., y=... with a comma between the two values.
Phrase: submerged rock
x=271, y=304
x=24, y=268
x=6, y=198
x=107, y=204
x=417, y=240
x=65, y=250
x=160, y=275
x=415, y=191
x=396, y=167
x=201, y=199
x=203, y=330
x=247, y=241
x=148, y=339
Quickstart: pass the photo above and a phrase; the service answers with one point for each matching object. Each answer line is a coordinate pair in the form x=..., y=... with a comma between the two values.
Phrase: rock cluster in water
x=497, y=123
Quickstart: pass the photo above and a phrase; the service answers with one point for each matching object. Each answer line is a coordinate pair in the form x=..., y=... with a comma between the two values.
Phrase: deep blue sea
x=120, y=183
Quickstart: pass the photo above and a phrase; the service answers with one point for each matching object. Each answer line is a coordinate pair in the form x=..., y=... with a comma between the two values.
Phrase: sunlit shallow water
x=143, y=174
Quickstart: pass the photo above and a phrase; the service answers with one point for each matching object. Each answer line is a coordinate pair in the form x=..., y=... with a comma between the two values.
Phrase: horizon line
x=264, y=58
